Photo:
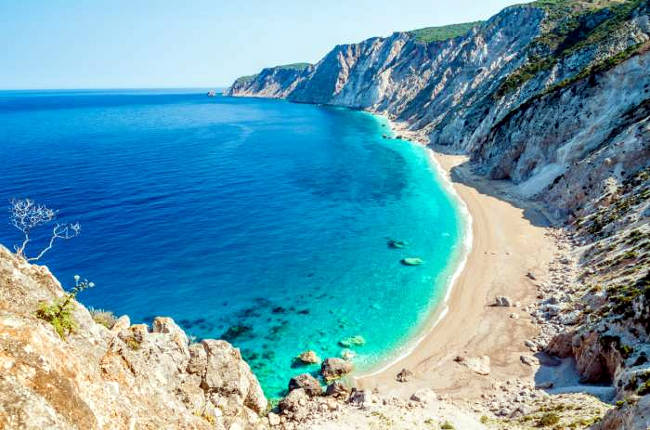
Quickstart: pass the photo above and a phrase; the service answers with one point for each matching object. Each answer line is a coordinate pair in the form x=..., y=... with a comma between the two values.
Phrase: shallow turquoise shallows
x=259, y=221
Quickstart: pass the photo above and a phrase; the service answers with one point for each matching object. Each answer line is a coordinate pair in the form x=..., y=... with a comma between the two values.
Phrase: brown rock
x=306, y=382
x=334, y=368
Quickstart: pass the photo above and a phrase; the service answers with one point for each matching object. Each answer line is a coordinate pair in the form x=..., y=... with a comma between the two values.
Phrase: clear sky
x=194, y=43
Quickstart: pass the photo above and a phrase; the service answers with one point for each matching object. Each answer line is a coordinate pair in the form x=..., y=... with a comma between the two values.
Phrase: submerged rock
x=352, y=341
x=347, y=354
x=412, y=261
x=397, y=244
x=335, y=368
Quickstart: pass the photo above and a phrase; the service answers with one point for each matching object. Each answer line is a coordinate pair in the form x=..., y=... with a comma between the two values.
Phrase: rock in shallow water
x=334, y=368
x=309, y=357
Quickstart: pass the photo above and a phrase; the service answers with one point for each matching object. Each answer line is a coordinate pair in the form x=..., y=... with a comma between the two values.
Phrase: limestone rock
x=404, y=375
x=334, y=368
x=503, y=301
x=127, y=377
x=306, y=382
x=309, y=357
x=480, y=365
x=337, y=390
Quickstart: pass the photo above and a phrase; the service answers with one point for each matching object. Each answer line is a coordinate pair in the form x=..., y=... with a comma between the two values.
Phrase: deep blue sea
x=259, y=221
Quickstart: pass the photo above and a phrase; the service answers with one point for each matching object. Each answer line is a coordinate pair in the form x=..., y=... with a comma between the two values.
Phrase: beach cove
x=266, y=223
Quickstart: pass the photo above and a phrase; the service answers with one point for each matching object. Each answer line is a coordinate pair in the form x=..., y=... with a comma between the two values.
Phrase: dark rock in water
x=236, y=332
x=396, y=244
x=306, y=382
x=278, y=310
x=338, y=391
x=268, y=355
x=303, y=311
x=248, y=312
x=404, y=375
x=335, y=368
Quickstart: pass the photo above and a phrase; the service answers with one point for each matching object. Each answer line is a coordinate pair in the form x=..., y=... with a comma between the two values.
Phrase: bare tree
x=26, y=215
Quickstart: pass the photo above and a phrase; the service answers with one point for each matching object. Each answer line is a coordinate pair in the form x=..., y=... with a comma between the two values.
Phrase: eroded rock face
x=127, y=377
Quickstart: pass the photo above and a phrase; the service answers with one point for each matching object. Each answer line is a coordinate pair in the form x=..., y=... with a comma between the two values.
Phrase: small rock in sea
x=544, y=385
x=334, y=368
x=306, y=382
x=412, y=261
x=309, y=357
x=503, y=301
x=278, y=310
x=404, y=375
x=347, y=354
x=397, y=244
x=352, y=341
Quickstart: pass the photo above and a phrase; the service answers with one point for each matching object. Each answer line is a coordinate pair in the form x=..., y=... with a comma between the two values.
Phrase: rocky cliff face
x=553, y=96
x=123, y=377
x=530, y=94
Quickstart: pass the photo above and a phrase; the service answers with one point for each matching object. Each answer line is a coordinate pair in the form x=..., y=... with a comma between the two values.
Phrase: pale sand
x=506, y=245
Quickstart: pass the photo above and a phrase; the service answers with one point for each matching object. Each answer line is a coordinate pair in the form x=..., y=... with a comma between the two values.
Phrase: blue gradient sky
x=172, y=43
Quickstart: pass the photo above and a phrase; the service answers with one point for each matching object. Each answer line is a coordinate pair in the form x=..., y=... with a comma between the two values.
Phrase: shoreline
x=464, y=323
x=439, y=310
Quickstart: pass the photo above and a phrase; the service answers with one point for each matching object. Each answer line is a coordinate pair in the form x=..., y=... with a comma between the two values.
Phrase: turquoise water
x=260, y=221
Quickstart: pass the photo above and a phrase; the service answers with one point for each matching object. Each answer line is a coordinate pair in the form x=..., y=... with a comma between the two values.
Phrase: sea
x=279, y=227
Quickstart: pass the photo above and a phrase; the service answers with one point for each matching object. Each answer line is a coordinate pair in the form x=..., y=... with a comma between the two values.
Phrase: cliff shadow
x=468, y=173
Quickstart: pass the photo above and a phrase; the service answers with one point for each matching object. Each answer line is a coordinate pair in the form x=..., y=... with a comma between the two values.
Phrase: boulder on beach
x=404, y=375
x=502, y=301
x=337, y=390
x=412, y=261
x=306, y=382
x=335, y=368
x=479, y=365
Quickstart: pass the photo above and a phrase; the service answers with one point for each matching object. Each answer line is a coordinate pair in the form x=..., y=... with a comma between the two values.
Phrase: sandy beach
x=509, y=240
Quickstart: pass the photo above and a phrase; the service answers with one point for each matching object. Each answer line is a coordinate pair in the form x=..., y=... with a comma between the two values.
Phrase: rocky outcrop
x=334, y=368
x=129, y=376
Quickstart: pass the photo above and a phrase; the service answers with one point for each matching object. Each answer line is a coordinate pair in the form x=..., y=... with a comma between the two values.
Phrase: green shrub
x=445, y=32
x=447, y=426
x=549, y=419
x=59, y=313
